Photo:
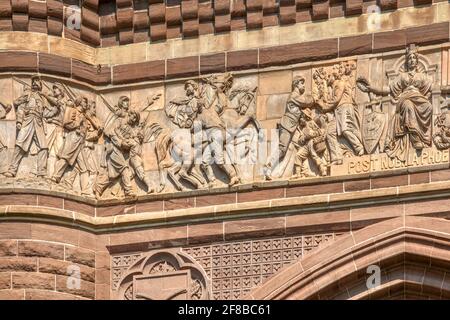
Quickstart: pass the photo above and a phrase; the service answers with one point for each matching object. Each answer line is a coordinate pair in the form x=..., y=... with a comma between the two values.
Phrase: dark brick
x=350, y=46
x=18, y=61
x=50, y=63
x=144, y=71
x=182, y=67
x=212, y=63
x=241, y=60
x=97, y=75
x=297, y=53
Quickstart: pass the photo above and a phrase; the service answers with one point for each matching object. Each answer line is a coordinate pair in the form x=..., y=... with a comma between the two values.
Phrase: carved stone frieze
x=343, y=117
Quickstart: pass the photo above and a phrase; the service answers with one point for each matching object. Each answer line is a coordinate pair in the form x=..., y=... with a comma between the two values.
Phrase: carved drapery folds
x=339, y=118
x=164, y=275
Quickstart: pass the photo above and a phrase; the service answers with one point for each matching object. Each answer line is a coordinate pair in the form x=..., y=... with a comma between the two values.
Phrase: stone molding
x=399, y=196
x=125, y=24
x=81, y=64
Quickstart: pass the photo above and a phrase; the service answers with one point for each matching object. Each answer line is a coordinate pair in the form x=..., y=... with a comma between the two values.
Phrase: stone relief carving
x=207, y=132
x=164, y=275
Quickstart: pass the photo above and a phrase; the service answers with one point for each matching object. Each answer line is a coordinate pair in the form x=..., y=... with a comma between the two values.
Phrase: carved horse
x=174, y=150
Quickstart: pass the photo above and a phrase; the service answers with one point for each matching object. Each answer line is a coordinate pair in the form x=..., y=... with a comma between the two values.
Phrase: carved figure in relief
x=54, y=117
x=30, y=126
x=298, y=126
x=344, y=106
x=441, y=137
x=4, y=110
x=322, y=91
x=79, y=130
x=174, y=150
x=216, y=92
x=310, y=145
x=410, y=92
x=120, y=139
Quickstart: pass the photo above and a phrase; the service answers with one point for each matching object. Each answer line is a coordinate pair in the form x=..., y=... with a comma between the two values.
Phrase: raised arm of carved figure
x=364, y=85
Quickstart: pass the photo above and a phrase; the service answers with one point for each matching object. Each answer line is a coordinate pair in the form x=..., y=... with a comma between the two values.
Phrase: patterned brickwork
x=234, y=268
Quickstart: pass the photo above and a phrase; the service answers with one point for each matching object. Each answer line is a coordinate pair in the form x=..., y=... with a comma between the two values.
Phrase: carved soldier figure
x=410, y=92
x=75, y=124
x=30, y=115
x=213, y=128
x=118, y=144
x=54, y=117
x=311, y=143
x=344, y=106
x=297, y=102
x=86, y=164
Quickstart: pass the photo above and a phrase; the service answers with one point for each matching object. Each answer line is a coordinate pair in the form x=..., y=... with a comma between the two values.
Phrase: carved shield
x=164, y=286
x=373, y=130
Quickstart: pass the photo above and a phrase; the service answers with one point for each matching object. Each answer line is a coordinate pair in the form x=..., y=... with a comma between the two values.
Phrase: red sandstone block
x=18, y=264
x=221, y=7
x=241, y=60
x=12, y=294
x=18, y=61
x=5, y=9
x=180, y=203
x=54, y=26
x=144, y=71
x=391, y=40
x=126, y=36
x=5, y=280
x=90, y=18
x=141, y=20
x=320, y=9
x=20, y=22
x=297, y=53
x=157, y=13
x=335, y=187
x=37, y=9
x=264, y=227
x=212, y=63
x=428, y=34
x=98, y=75
x=41, y=249
x=87, y=289
x=189, y=9
x=53, y=64
x=8, y=247
x=254, y=20
x=124, y=18
x=215, y=199
x=115, y=210
x=392, y=181
x=223, y=23
x=65, y=268
x=190, y=28
x=257, y=195
x=158, y=31
x=351, y=46
x=80, y=255
x=55, y=9
x=288, y=15
x=205, y=232
x=353, y=7
x=357, y=185
x=6, y=24
x=388, y=4
x=27, y=280
x=35, y=294
x=20, y=6
x=149, y=206
x=182, y=67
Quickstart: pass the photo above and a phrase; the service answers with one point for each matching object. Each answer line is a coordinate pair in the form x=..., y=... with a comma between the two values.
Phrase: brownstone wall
x=36, y=261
